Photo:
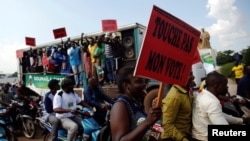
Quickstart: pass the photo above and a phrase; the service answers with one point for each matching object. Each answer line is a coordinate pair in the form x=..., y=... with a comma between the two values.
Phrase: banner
x=39, y=82
x=168, y=49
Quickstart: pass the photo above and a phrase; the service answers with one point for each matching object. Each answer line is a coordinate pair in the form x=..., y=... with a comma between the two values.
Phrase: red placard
x=197, y=57
x=167, y=52
x=30, y=41
x=19, y=53
x=109, y=25
x=59, y=33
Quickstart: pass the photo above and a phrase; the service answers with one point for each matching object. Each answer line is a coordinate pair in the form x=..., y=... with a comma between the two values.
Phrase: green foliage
x=13, y=75
x=224, y=57
x=226, y=69
x=246, y=56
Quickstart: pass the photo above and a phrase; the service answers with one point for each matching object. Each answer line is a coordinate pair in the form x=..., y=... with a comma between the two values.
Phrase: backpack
x=105, y=131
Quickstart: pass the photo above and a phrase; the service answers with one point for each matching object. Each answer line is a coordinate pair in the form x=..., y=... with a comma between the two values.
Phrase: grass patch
x=226, y=69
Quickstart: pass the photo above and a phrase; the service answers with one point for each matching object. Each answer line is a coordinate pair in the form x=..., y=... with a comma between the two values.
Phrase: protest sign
x=109, y=25
x=30, y=41
x=19, y=53
x=168, y=49
x=167, y=52
x=59, y=33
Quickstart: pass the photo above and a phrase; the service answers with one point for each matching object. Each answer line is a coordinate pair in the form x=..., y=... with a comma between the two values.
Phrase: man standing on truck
x=75, y=61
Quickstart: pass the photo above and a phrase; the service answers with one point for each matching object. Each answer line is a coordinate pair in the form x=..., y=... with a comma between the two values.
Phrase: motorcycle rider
x=95, y=96
x=64, y=104
x=6, y=96
x=50, y=115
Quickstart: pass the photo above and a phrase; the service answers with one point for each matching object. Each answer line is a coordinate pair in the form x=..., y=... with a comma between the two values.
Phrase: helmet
x=67, y=82
x=52, y=83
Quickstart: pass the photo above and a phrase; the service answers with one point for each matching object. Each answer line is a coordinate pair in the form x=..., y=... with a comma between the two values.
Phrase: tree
x=246, y=56
x=13, y=75
x=224, y=57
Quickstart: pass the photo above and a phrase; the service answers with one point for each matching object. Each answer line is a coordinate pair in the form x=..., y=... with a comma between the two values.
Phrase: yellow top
x=238, y=71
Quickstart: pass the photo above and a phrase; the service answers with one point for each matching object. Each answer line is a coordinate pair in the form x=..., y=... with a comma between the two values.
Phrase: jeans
x=110, y=66
x=74, y=127
x=55, y=123
x=77, y=70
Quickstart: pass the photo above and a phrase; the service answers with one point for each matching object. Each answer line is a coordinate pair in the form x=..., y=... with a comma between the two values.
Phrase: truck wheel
x=150, y=99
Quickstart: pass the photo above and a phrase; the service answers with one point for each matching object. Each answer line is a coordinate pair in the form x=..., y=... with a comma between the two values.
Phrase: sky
x=227, y=21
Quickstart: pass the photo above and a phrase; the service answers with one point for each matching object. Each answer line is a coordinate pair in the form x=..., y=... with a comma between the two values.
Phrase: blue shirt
x=48, y=104
x=94, y=97
x=74, y=56
x=243, y=86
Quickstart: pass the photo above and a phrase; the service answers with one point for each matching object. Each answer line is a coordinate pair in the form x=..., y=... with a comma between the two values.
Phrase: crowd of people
x=184, y=115
x=84, y=58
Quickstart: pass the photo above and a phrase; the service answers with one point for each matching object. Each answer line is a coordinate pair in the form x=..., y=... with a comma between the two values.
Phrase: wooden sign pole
x=160, y=93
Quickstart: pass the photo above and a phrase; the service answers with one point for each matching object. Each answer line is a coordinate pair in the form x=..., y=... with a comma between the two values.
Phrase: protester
x=129, y=123
x=243, y=87
x=95, y=96
x=207, y=109
x=64, y=104
x=6, y=96
x=177, y=112
x=50, y=115
x=74, y=53
x=238, y=70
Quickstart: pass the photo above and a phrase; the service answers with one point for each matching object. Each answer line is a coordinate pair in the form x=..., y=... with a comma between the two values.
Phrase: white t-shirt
x=66, y=101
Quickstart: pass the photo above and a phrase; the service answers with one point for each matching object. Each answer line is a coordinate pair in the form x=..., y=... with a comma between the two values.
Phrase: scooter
x=6, y=126
x=91, y=127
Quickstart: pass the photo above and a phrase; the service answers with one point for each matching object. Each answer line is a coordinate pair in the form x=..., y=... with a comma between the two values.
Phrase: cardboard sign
x=19, y=53
x=109, y=25
x=59, y=33
x=167, y=52
x=30, y=41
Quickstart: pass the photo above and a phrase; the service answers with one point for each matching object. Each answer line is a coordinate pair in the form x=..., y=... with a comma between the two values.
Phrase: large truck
x=131, y=37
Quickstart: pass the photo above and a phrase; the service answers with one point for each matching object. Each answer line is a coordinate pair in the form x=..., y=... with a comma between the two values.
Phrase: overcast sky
x=227, y=21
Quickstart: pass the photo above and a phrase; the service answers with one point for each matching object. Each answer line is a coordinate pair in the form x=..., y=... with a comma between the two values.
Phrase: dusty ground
x=232, y=87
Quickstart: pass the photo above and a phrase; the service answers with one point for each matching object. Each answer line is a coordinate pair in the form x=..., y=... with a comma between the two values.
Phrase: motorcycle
x=25, y=117
x=91, y=127
x=235, y=105
x=6, y=126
